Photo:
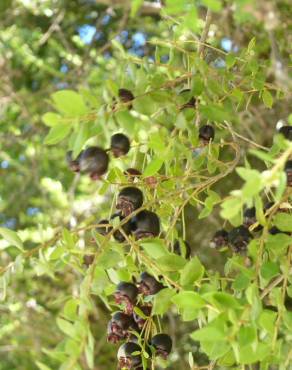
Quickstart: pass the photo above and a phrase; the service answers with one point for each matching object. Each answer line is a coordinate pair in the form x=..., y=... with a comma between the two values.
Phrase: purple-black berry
x=94, y=161
x=145, y=224
x=120, y=145
x=129, y=199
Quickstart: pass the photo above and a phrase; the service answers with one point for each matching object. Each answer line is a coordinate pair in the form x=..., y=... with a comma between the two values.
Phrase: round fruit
x=126, y=293
x=88, y=259
x=191, y=103
x=129, y=199
x=182, y=248
x=94, y=161
x=162, y=344
x=149, y=285
x=286, y=131
x=145, y=224
x=74, y=164
x=120, y=145
x=206, y=133
x=126, y=95
x=126, y=358
x=118, y=327
x=249, y=218
x=220, y=239
x=126, y=227
x=239, y=238
x=288, y=171
x=103, y=227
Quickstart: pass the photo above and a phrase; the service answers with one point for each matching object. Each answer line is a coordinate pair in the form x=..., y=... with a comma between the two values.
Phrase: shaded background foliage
x=47, y=46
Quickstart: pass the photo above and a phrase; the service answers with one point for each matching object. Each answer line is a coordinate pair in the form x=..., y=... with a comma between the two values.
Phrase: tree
x=201, y=90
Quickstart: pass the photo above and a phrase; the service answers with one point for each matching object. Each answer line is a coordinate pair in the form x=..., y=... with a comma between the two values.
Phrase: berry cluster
x=132, y=324
x=239, y=237
x=95, y=160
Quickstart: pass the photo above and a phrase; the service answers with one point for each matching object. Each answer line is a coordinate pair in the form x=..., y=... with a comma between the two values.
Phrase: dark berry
x=94, y=161
x=126, y=96
x=126, y=228
x=239, y=238
x=126, y=358
x=132, y=173
x=286, y=131
x=126, y=293
x=140, y=321
x=268, y=206
x=249, y=218
x=88, y=259
x=149, y=285
x=288, y=171
x=129, y=199
x=220, y=239
x=206, y=133
x=119, y=326
x=74, y=164
x=182, y=248
x=162, y=344
x=120, y=145
x=191, y=103
x=103, y=227
x=145, y=224
x=274, y=231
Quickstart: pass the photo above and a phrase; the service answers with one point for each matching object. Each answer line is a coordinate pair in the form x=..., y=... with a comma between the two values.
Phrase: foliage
x=223, y=309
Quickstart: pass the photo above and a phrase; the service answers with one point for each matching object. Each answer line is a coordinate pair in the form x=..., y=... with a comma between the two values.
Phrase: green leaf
x=188, y=300
x=11, y=237
x=155, y=248
x=70, y=309
x=215, y=112
x=174, y=6
x=109, y=258
x=156, y=142
x=57, y=134
x=246, y=335
x=192, y=272
x=191, y=20
x=153, y=167
x=145, y=105
x=208, y=334
x=51, y=119
x=267, y=320
x=42, y=366
x=267, y=98
x=264, y=156
x=222, y=300
x=171, y=262
x=82, y=136
x=162, y=301
x=136, y=4
x=269, y=270
x=277, y=244
x=69, y=102
x=251, y=45
x=251, y=354
x=66, y=327
x=283, y=221
x=214, y=5
x=231, y=207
